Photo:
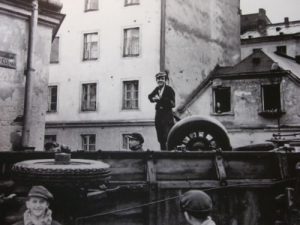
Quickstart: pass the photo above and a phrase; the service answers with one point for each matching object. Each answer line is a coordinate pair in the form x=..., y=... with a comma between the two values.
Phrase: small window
x=271, y=100
x=125, y=141
x=52, y=98
x=49, y=139
x=131, y=94
x=132, y=2
x=90, y=46
x=54, y=55
x=88, y=142
x=131, y=42
x=91, y=5
x=89, y=96
x=281, y=49
x=222, y=100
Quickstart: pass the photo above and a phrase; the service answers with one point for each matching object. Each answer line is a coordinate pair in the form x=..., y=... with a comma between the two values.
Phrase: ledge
x=222, y=114
x=107, y=123
x=270, y=114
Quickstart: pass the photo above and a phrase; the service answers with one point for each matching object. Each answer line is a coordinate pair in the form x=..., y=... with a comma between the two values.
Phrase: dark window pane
x=222, y=100
x=271, y=98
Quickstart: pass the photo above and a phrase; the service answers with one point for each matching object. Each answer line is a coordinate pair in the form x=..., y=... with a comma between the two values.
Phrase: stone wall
x=199, y=35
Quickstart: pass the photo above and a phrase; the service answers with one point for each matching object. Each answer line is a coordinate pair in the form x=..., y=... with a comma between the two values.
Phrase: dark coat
x=167, y=100
x=22, y=223
x=164, y=119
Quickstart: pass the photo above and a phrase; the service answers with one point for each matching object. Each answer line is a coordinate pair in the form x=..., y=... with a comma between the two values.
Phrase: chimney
x=286, y=22
x=261, y=22
x=261, y=12
x=297, y=58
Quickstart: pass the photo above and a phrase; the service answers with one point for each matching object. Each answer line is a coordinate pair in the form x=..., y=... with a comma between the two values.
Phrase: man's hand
x=156, y=98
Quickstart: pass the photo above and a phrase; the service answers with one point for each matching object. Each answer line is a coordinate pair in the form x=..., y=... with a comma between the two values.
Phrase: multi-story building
x=258, y=32
x=26, y=30
x=107, y=52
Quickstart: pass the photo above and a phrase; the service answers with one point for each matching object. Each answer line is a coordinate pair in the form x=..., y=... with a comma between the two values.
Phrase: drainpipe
x=29, y=73
x=162, y=36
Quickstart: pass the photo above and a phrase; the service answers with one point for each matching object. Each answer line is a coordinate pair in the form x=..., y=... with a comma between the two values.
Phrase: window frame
x=46, y=136
x=89, y=58
x=124, y=91
x=214, y=112
x=88, y=144
x=49, y=101
x=124, y=42
x=279, y=49
x=125, y=138
x=86, y=9
x=58, y=51
x=88, y=109
x=130, y=4
x=263, y=100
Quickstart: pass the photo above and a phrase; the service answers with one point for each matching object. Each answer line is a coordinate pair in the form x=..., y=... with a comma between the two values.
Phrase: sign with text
x=7, y=60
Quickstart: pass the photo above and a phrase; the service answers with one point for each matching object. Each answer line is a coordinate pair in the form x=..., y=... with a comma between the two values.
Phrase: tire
x=198, y=133
x=80, y=173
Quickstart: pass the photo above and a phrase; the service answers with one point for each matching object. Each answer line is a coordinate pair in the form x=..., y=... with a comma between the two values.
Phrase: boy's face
x=161, y=81
x=37, y=206
x=133, y=143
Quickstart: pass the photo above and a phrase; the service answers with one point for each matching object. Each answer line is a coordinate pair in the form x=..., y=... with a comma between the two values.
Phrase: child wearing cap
x=37, y=204
x=136, y=141
x=164, y=97
x=196, y=206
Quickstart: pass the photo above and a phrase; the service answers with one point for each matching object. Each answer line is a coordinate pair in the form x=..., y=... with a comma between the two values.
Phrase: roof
x=275, y=29
x=259, y=63
x=251, y=21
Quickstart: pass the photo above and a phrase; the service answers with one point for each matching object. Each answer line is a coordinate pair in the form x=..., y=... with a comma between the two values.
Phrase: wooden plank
x=243, y=183
x=151, y=180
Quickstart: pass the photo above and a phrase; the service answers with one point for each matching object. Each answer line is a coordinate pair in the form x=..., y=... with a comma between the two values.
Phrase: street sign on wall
x=7, y=60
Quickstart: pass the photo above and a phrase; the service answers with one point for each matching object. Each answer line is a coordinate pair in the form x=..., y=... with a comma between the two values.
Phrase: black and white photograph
x=149, y=112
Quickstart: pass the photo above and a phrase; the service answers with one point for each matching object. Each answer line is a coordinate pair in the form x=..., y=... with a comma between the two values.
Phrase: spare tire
x=197, y=133
x=79, y=173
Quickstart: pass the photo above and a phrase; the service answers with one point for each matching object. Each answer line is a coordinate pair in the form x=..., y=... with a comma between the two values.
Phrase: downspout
x=162, y=36
x=29, y=73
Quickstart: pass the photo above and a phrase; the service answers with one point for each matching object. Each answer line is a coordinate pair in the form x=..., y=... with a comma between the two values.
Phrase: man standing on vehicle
x=164, y=97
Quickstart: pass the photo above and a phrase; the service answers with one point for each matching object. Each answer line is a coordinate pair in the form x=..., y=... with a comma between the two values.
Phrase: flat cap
x=161, y=74
x=137, y=136
x=195, y=201
x=41, y=192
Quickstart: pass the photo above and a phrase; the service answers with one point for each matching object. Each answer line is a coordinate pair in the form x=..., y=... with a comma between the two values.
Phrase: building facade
x=105, y=57
x=253, y=99
x=15, y=26
x=258, y=32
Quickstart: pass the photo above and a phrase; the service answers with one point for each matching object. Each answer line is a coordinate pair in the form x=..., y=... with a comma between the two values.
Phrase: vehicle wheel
x=79, y=173
x=197, y=133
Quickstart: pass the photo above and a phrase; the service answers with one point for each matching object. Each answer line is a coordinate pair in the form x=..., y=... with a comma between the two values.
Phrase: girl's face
x=37, y=206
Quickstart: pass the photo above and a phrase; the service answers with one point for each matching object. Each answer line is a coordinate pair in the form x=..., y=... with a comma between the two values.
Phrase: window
x=52, y=98
x=271, y=101
x=50, y=139
x=88, y=142
x=222, y=100
x=131, y=94
x=132, y=2
x=54, y=55
x=125, y=141
x=91, y=5
x=281, y=49
x=88, y=98
x=131, y=42
x=90, y=46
